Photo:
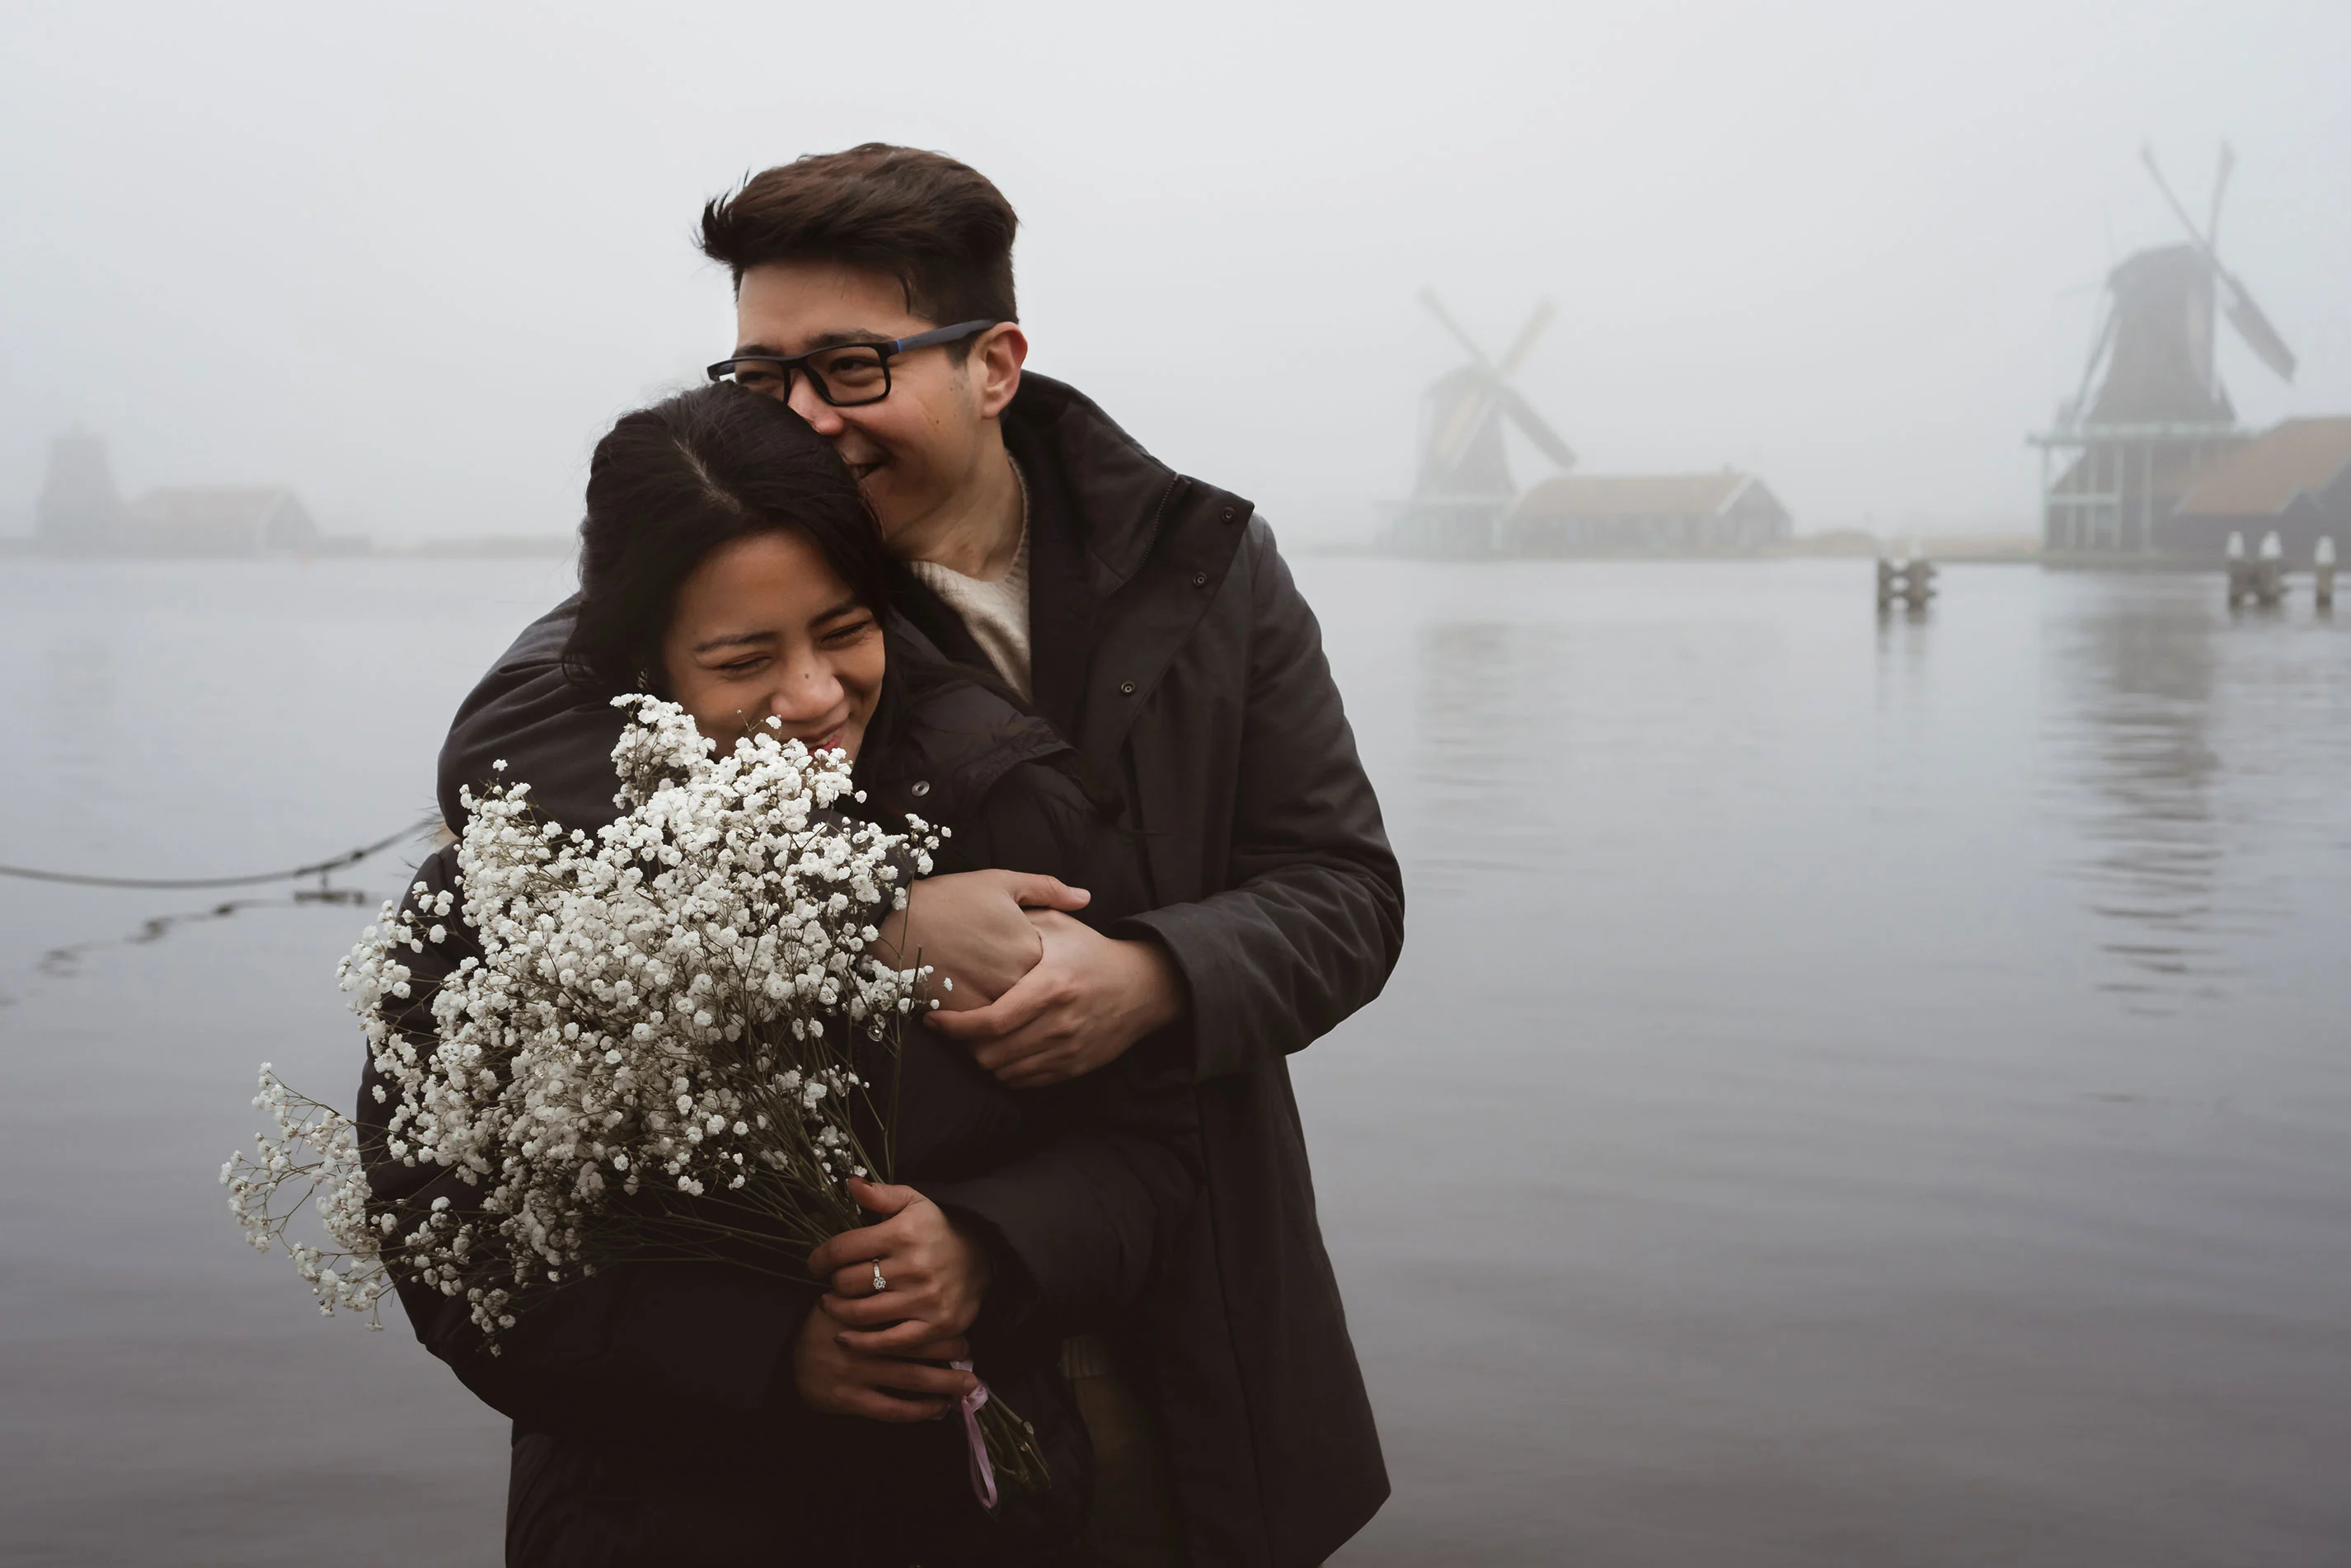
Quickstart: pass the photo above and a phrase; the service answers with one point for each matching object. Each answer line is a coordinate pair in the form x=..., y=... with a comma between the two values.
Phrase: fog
x=412, y=260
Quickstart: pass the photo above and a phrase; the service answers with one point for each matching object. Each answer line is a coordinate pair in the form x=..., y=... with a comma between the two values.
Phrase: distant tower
x=80, y=509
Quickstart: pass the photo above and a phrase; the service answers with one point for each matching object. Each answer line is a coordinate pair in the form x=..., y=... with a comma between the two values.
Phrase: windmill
x=2158, y=411
x=1464, y=485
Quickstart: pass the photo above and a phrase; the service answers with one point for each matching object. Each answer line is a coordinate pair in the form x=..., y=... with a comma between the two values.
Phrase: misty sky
x=414, y=258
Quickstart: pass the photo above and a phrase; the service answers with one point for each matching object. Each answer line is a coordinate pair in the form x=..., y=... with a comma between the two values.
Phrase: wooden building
x=2295, y=480
x=223, y=519
x=1726, y=513
x=80, y=513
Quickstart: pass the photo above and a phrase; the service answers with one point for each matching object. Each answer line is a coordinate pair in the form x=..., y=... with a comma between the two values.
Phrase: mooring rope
x=318, y=868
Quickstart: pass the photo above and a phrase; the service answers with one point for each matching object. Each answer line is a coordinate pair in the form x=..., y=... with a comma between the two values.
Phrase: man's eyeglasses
x=845, y=375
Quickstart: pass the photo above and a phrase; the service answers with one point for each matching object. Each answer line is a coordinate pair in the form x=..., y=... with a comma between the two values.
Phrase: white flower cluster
x=652, y=1055
x=313, y=1158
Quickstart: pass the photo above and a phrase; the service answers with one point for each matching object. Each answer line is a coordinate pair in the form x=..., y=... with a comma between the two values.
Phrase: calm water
x=1855, y=1092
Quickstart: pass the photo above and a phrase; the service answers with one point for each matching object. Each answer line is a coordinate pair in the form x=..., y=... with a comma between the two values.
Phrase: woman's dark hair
x=675, y=481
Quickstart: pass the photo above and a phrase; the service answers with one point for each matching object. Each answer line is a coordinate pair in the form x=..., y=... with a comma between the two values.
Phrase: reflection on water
x=1545, y=747
x=2193, y=748
x=2138, y=671
x=1493, y=737
x=79, y=712
x=1903, y=637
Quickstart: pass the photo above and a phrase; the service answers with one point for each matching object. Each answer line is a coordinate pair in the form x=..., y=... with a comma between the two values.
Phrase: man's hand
x=838, y=1381
x=1087, y=1000
x=973, y=928
x=937, y=1276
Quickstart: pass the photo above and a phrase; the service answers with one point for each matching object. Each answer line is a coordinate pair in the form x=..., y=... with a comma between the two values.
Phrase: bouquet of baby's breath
x=653, y=1059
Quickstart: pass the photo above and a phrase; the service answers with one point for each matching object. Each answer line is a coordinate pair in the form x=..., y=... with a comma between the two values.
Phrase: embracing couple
x=1166, y=873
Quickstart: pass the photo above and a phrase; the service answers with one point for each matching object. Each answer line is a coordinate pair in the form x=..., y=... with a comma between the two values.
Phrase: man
x=1151, y=619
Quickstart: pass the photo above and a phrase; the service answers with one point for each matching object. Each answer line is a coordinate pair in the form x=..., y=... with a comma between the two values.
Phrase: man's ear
x=996, y=356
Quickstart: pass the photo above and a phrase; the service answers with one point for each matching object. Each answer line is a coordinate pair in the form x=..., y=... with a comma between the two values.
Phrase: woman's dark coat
x=655, y=1415
x=1172, y=646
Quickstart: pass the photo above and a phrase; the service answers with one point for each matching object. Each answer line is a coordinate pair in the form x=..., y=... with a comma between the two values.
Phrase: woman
x=686, y=1413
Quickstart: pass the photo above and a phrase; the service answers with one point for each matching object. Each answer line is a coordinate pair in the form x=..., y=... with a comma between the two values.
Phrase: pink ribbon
x=983, y=1473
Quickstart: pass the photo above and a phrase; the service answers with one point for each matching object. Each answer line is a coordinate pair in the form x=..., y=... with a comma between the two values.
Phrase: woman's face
x=765, y=627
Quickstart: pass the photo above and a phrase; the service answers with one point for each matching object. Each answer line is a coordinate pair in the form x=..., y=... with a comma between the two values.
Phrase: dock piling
x=1911, y=582
x=2261, y=579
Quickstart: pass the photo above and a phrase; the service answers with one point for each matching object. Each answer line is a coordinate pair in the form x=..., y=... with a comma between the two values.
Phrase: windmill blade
x=2090, y=367
x=2243, y=314
x=1523, y=416
x=1428, y=298
x=2219, y=186
x=2255, y=329
x=1525, y=341
x=2147, y=156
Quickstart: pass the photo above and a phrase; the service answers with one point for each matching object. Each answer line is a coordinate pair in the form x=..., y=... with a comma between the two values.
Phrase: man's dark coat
x=1170, y=645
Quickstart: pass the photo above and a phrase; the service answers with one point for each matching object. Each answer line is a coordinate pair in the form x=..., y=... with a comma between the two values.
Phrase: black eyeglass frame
x=789, y=365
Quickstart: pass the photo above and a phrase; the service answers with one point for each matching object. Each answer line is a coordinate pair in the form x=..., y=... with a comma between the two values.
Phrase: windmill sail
x=1437, y=308
x=1525, y=342
x=2072, y=411
x=1531, y=424
x=2243, y=315
x=2255, y=329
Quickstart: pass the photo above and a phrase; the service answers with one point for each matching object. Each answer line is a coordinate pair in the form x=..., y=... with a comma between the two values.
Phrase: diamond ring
x=879, y=1284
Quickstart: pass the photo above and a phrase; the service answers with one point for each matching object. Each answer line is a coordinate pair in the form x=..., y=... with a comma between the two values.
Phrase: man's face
x=917, y=449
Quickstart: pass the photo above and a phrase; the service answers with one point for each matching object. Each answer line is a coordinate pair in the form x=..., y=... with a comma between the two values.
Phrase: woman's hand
x=838, y=1381
x=935, y=1277
x=973, y=928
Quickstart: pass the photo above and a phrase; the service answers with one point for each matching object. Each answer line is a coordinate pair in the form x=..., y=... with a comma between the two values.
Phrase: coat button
x=1229, y=514
x=1126, y=686
x=1199, y=580
x=919, y=788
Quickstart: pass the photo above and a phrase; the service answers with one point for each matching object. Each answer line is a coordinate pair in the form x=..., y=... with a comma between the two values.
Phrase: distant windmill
x=2159, y=410
x=2156, y=344
x=1464, y=484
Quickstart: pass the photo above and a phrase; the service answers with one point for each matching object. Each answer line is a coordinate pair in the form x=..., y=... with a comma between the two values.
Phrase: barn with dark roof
x=2295, y=481
x=1724, y=513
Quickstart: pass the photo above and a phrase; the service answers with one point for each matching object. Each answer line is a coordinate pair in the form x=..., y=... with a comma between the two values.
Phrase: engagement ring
x=879, y=1284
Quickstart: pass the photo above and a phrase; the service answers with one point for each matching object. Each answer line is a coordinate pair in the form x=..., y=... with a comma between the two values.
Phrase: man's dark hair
x=939, y=227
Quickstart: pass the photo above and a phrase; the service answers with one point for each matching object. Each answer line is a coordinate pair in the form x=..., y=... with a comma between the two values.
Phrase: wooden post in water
x=2322, y=573
x=2241, y=571
x=1911, y=582
x=1920, y=586
x=2268, y=571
